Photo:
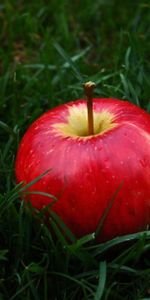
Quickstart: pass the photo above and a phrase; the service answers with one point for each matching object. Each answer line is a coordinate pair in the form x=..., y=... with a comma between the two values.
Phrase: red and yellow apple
x=86, y=170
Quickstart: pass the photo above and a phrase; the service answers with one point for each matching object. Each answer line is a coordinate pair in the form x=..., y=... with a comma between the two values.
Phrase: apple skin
x=86, y=171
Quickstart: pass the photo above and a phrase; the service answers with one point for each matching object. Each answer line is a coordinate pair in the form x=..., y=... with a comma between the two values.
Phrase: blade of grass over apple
x=69, y=235
x=106, y=212
x=58, y=233
x=76, y=246
x=53, y=198
x=24, y=188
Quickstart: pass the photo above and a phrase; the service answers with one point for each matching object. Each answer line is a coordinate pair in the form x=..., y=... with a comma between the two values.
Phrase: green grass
x=47, y=50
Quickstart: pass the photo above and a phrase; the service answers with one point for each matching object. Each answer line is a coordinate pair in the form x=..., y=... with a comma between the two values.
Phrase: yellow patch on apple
x=76, y=124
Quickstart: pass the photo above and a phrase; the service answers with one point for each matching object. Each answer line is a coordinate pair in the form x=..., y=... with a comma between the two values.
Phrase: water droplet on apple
x=50, y=151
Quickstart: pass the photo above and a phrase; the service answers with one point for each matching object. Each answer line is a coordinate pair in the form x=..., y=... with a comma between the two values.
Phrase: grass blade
x=68, y=60
x=106, y=211
x=102, y=248
x=102, y=281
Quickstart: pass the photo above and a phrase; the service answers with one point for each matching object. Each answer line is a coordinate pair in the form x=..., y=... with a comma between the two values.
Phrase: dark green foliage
x=47, y=50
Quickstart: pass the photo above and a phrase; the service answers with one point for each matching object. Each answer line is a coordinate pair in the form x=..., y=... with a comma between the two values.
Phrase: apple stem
x=88, y=87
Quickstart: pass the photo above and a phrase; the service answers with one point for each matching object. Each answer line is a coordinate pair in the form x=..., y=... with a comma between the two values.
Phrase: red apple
x=87, y=171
